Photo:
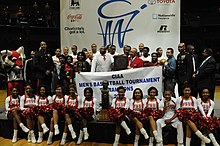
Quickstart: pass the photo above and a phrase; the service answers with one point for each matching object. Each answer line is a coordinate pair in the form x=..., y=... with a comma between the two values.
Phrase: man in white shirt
x=102, y=62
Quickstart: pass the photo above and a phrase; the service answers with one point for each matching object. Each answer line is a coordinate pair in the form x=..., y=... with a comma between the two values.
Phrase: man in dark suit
x=43, y=64
x=195, y=62
x=184, y=69
x=205, y=75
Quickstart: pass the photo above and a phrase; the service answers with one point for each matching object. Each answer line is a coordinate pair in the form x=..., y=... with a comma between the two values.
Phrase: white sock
x=85, y=132
x=198, y=133
x=14, y=139
x=79, y=141
x=24, y=128
x=49, y=140
x=33, y=139
x=144, y=132
x=151, y=141
x=40, y=137
x=125, y=126
x=212, y=137
x=63, y=140
x=45, y=128
x=117, y=136
x=188, y=141
x=136, y=139
x=73, y=134
x=56, y=129
x=157, y=137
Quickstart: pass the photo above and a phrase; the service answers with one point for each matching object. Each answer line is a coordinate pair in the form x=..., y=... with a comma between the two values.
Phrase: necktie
x=104, y=58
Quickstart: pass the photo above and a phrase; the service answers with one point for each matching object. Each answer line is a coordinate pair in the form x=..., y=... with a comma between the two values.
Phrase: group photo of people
x=42, y=93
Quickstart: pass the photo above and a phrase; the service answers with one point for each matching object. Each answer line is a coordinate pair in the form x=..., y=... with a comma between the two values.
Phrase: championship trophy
x=103, y=115
x=120, y=62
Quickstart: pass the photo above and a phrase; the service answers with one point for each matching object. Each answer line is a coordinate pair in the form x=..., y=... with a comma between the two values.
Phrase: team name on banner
x=142, y=78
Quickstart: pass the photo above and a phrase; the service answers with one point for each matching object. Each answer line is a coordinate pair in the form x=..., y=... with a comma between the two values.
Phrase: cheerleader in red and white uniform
x=168, y=106
x=27, y=102
x=187, y=113
x=42, y=109
x=152, y=111
x=59, y=101
x=89, y=107
x=118, y=107
x=72, y=107
x=206, y=106
x=137, y=104
x=12, y=106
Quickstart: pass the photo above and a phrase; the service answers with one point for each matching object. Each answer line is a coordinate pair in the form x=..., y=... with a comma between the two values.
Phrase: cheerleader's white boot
x=125, y=126
x=117, y=136
x=29, y=137
x=79, y=141
x=136, y=139
x=212, y=137
x=40, y=137
x=203, y=143
x=33, y=139
x=151, y=141
x=63, y=140
x=144, y=132
x=14, y=139
x=50, y=138
x=202, y=137
x=85, y=133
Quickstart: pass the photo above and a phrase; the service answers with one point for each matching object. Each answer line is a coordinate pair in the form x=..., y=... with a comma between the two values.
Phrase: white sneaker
x=29, y=137
x=49, y=141
x=33, y=139
x=40, y=139
x=63, y=141
x=14, y=139
x=202, y=143
x=128, y=131
x=73, y=134
x=180, y=144
x=79, y=141
x=115, y=143
x=25, y=129
x=86, y=136
x=205, y=139
x=56, y=131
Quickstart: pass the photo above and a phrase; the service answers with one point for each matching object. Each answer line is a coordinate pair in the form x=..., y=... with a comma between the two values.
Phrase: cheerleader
x=72, y=106
x=206, y=106
x=43, y=102
x=152, y=108
x=12, y=106
x=27, y=102
x=168, y=106
x=137, y=105
x=187, y=113
x=58, y=110
x=118, y=107
x=89, y=106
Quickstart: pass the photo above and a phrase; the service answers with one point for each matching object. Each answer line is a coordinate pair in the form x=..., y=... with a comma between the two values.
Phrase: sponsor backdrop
x=156, y=23
x=144, y=78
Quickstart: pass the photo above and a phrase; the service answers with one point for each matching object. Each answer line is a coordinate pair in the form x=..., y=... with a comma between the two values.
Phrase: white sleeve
x=93, y=67
x=7, y=100
x=22, y=103
x=211, y=108
x=200, y=107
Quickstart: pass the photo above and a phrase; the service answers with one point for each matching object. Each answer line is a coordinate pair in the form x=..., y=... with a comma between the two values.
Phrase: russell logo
x=163, y=29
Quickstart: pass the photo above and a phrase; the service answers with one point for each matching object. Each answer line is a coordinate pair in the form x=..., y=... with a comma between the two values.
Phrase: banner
x=156, y=23
x=142, y=78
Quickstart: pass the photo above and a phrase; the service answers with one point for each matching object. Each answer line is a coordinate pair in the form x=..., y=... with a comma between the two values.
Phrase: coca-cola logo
x=74, y=18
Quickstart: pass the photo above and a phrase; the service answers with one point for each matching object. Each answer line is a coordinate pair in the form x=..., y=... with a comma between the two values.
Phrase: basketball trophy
x=103, y=115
